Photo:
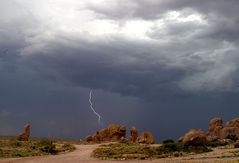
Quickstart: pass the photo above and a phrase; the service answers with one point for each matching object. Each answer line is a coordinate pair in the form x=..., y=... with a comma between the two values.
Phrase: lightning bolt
x=92, y=108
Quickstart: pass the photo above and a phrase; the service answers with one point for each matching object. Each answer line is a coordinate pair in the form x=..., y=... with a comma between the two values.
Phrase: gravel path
x=82, y=154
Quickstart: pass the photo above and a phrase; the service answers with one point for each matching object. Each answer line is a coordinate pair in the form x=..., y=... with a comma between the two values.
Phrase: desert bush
x=68, y=147
x=171, y=146
x=214, y=143
x=47, y=146
x=168, y=141
x=232, y=137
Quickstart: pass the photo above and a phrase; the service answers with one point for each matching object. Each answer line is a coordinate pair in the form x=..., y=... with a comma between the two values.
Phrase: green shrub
x=232, y=137
x=214, y=143
x=68, y=147
x=47, y=146
x=170, y=146
x=168, y=141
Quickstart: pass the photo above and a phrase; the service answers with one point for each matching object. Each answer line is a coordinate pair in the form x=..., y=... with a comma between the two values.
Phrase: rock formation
x=194, y=138
x=111, y=133
x=133, y=134
x=229, y=131
x=146, y=138
x=233, y=123
x=218, y=131
x=24, y=136
x=215, y=127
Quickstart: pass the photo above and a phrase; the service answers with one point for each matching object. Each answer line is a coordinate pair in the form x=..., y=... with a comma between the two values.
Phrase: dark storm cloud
x=153, y=9
x=121, y=65
x=184, y=68
x=118, y=68
x=140, y=69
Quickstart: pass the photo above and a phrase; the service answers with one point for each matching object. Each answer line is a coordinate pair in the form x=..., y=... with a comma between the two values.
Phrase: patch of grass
x=197, y=149
x=11, y=147
x=122, y=150
x=129, y=150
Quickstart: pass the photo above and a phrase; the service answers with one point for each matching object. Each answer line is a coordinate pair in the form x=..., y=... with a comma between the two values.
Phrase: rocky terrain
x=218, y=132
x=221, y=138
x=114, y=133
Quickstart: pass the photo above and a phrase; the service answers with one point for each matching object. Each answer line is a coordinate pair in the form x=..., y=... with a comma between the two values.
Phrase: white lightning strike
x=91, y=106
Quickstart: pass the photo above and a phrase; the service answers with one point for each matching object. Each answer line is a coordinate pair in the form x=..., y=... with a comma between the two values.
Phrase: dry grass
x=128, y=150
x=11, y=147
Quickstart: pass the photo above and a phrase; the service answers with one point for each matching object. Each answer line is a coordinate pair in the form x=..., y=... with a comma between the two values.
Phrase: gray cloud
x=154, y=9
x=143, y=61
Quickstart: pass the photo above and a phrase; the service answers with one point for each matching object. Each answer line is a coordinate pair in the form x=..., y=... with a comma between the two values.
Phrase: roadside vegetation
x=128, y=150
x=11, y=147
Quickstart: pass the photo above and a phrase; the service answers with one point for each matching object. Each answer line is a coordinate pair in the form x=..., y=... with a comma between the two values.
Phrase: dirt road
x=82, y=154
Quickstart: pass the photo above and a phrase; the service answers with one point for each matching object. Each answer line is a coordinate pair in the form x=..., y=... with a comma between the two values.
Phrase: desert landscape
x=83, y=154
x=219, y=144
x=119, y=81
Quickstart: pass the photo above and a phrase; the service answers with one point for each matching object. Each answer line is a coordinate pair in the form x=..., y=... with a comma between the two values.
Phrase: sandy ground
x=82, y=154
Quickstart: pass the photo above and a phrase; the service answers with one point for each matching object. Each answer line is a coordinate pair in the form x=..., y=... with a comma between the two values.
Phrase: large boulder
x=24, y=136
x=194, y=138
x=215, y=127
x=111, y=133
x=133, y=134
x=146, y=138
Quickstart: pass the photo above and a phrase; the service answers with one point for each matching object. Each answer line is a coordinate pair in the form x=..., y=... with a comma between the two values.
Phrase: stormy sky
x=162, y=66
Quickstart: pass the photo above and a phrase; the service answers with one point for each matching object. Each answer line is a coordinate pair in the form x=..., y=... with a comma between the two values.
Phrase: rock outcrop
x=218, y=131
x=111, y=133
x=215, y=128
x=194, y=138
x=233, y=123
x=226, y=131
x=133, y=134
x=215, y=122
x=146, y=138
x=24, y=136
